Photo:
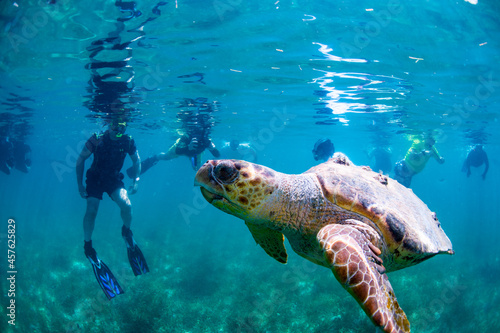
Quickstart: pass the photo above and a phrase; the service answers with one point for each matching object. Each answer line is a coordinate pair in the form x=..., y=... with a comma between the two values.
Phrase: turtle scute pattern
x=356, y=222
x=363, y=276
x=410, y=230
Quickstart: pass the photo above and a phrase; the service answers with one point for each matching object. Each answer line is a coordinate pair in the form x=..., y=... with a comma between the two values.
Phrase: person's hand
x=484, y=176
x=83, y=192
x=193, y=144
x=441, y=160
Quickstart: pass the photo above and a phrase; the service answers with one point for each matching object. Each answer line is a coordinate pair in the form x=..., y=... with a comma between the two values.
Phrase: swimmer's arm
x=171, y=153
x=80, y=166
x=136, y=160
x=215, y=152
x=436, y=155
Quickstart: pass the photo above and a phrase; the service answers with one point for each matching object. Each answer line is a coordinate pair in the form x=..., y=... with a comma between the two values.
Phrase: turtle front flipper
x=273, y=242
x=356, y=265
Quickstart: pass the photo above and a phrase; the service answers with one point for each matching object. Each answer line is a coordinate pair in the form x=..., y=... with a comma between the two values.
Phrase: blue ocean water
x=278, y=75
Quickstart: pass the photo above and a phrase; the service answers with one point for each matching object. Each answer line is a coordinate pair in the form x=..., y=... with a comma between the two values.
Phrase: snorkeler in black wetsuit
x=476, y=157
x=323, y=150
x=191, y=146
x=110, y=149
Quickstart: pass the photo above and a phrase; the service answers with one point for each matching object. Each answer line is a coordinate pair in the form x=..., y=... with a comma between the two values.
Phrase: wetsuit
x=104, y=174
x=181, y=147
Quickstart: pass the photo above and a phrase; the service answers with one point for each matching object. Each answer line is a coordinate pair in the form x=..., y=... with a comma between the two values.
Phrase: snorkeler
x=187, y=145
x=476, y=157
x=191, y=145
x=323, y=150
x=6, y=155
x=238, y=151
x=415, y=160
x=14, y=154
x=382, y=157
x=110, y=149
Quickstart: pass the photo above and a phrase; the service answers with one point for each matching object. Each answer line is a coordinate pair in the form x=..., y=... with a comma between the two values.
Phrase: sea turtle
x=356, y=222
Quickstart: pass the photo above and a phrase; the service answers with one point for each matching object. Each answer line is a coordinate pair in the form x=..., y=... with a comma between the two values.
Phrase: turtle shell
x=410, y=230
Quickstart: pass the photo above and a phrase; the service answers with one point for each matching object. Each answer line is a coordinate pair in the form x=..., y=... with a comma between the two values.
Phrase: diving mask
x=119, y=129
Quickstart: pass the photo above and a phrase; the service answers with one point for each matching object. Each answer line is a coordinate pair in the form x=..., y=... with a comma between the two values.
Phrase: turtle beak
x=210, y=196
x=202, y=179
x=207, y=195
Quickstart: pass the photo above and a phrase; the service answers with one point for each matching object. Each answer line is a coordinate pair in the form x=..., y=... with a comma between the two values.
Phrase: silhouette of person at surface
x=14, y=154
x=238, y=151
x=382, y=157
x=323, y=150
x=475, y=158
x=416, y=158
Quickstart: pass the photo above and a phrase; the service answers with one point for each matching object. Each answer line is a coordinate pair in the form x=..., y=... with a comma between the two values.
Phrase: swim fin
x=135, y=256
x=103, y=274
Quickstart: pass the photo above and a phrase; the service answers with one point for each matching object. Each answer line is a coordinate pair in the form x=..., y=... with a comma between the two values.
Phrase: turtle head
x=236, y=187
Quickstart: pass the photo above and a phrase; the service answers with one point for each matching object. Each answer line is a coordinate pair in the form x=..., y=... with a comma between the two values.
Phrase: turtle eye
x=225, y=172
